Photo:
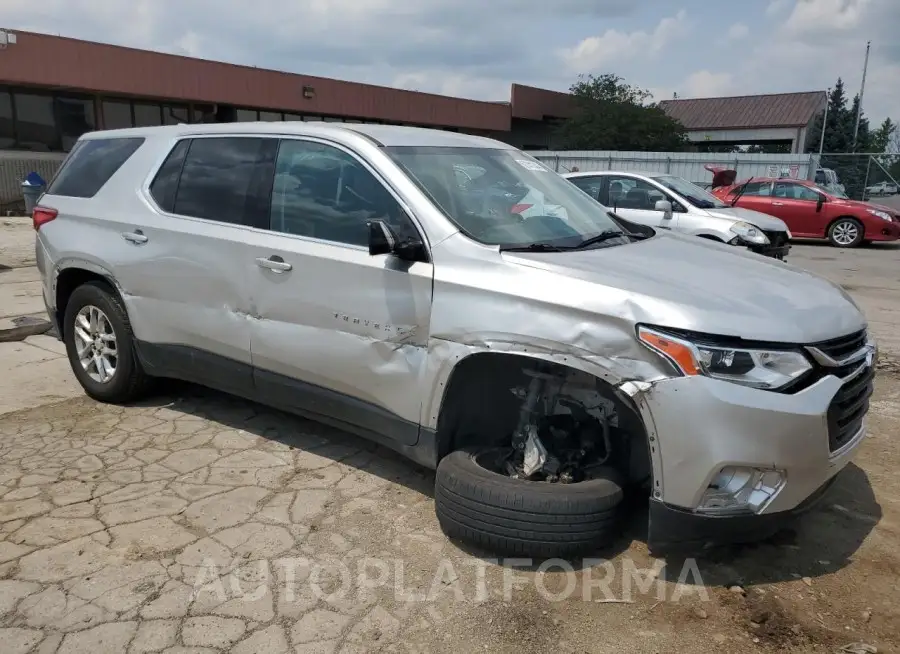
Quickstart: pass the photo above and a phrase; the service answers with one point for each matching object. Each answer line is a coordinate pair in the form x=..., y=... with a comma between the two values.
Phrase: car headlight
x=880, y=214
x=749, y=233
x=757, y=368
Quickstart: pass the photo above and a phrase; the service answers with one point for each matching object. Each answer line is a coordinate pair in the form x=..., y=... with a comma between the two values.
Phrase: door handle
x=274, y=263
x=137, y=237
x=778, y=204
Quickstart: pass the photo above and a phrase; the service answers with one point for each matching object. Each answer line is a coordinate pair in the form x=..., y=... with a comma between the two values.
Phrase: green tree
x=613, y=115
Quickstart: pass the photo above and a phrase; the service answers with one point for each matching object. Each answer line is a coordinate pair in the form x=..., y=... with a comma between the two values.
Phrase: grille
x=776, y=239
x=838, y=348
x=848, y=409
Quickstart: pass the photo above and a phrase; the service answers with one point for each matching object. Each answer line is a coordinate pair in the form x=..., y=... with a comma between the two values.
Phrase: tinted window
x=7, y=134
x=76, y=116
x=174, y=114
x=36, y=122
x=165, y=184
x=324, y=193
x=247, y=115
x=629, y=193
x=270, y=116
x=227, y=179
x=90, y=165
x=147, y=115
x=590, y=185
x=117, y=115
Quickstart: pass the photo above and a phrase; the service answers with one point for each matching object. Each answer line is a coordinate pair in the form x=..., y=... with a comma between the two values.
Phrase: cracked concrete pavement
x=195, y=523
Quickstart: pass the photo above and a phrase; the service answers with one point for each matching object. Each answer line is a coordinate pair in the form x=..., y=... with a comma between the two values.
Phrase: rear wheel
x=846, y=233
x=100, y=345
x=476, y=503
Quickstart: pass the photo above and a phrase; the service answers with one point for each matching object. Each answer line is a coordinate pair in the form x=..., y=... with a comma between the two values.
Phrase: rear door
x=753, y=195
x=590, y=184
x=338, y=333
x=186, y=274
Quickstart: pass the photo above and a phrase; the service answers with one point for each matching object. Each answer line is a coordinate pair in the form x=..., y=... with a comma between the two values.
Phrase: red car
x=811, y=211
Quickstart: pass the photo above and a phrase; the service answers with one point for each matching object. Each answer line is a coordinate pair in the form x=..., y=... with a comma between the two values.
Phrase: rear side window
x=90, y=165
x=590, y=185
x=227, y=179
x=165, y=184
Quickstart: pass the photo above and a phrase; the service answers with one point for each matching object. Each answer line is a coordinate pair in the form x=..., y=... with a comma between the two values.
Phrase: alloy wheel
x=95, y=344
x=845, y=233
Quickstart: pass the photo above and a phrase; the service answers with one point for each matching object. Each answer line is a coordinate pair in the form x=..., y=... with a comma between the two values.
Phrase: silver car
x=670, y=202
x=500, y=326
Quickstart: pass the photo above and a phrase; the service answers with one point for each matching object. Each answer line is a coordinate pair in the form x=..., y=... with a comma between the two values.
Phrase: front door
x=338, y=333
x=635, y=200
x=798, y=206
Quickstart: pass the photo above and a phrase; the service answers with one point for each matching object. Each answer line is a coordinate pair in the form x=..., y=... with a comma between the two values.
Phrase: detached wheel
x=100, y=345
x=846, y=233
x=479, y=505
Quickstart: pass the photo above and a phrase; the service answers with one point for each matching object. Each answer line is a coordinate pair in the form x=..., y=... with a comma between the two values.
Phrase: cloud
x=613, y=46
x=776, y=7
x=706, y=84
x=737, y=32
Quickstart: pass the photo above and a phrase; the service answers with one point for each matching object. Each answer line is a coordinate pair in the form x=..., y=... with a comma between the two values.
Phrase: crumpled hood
x=690, y=283
x=762, y=220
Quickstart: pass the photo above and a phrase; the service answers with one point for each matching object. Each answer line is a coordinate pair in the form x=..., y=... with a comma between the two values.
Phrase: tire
x=129, y=381
x=514, y=517
x=841, y=228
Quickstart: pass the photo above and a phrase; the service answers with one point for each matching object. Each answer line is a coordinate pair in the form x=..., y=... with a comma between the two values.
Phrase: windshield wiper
x=532, y=247
x=737, y=196
x=605, y=236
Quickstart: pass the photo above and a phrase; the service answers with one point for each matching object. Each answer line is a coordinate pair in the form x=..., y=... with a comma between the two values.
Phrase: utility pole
x=824, y=124
x=862, y=89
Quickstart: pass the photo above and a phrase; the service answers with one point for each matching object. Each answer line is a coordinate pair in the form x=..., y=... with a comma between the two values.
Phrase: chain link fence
x=864, y=176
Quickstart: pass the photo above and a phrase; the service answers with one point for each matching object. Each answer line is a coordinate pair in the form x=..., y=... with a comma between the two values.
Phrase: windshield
x=836, y=192
x=697, y=196
x=505, y=197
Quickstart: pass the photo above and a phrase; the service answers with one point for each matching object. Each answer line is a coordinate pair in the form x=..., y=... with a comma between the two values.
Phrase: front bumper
x=699, y=426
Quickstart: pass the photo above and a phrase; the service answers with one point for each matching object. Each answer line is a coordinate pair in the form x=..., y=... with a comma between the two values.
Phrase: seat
x=637, y=198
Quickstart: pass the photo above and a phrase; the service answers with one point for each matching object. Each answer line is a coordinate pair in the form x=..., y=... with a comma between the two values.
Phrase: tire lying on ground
x=514, y=517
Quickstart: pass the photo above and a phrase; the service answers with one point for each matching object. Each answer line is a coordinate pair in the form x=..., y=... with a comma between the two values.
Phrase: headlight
x=749, y=233
x=763, y=369
x=880, y=214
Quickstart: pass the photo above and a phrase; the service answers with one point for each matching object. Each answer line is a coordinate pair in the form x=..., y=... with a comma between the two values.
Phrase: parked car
x=543, y=363
x=882, y=188
x=811, y=211
x=670, y=202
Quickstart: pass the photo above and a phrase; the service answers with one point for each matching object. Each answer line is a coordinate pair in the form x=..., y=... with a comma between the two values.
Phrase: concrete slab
x=20, y=298
x=16, y=243
x=32, y=376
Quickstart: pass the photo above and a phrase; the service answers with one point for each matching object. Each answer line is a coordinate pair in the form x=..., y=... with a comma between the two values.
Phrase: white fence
x=689, y=165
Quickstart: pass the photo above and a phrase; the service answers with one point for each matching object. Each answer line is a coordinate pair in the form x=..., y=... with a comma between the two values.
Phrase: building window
x=288, y=116
x=247, y=115
x=313, y=119
x=176, y=113
x=117, y=114
x=7, y=130
x=36, y=122
x=75, y=116
x=270, y=116
x=147, y=115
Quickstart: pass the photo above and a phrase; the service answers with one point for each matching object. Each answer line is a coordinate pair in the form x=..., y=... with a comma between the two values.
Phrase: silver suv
x=452, y=298
x=671, y=202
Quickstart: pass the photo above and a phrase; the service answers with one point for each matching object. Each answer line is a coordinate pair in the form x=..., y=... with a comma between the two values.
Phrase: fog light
x=741, y=490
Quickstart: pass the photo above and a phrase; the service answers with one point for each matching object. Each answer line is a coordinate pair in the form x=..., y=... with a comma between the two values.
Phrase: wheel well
x=480, y=406
x=70, y=279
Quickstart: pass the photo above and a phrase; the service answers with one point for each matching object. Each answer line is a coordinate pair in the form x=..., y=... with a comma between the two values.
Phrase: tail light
x=520, y=208
x=42, y=216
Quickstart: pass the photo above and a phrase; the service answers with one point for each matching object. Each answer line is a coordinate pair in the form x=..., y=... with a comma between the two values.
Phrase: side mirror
x=822, y=200
x=383, y=240
x=665, y=206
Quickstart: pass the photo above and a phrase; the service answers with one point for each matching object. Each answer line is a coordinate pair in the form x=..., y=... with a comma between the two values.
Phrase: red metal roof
x=64, y=63
x=747, y=111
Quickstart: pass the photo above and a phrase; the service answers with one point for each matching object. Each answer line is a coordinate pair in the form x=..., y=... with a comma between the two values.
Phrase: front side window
x=631, y=193
x=793, y=191
x=516, y=202
x=222, y=178
x=700, y=198
x=325, y=193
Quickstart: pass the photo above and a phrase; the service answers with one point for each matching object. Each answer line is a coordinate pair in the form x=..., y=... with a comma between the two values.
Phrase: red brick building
x=53, y=89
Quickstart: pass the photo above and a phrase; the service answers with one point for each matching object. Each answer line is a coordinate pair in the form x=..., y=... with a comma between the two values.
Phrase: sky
x=476, y=49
